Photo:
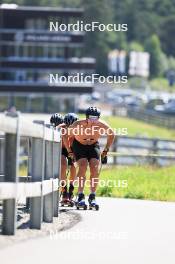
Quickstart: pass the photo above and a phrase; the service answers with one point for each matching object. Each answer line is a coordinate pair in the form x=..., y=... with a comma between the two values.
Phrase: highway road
x=123, y=231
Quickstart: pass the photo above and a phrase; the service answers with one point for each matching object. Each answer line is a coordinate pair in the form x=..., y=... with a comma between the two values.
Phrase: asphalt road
x=122, y=231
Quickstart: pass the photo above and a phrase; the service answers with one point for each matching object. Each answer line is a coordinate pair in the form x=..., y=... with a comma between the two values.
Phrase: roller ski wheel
x=72, y=202
x=84, y=207
x=92, y=202
x=94, y=206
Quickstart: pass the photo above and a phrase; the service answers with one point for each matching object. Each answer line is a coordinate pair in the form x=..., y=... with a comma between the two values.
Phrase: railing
x=153, y=118
x=141, y=150
x=148, y=116
x=44, y=169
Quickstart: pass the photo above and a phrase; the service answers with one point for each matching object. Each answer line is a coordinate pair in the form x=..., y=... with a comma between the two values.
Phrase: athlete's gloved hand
x=104, y=159
x=104, y=152
x=104, y=156
x=70, y=161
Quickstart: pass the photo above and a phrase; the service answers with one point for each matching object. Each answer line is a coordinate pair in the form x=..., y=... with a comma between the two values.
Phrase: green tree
x=99, y=43
x=171, y=63
x=153, y=47
x=135, y=46
x=167, y=35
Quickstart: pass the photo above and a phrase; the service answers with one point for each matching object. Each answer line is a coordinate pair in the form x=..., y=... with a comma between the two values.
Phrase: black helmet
x=70, y=118
x=56, y=119
x=93, y=111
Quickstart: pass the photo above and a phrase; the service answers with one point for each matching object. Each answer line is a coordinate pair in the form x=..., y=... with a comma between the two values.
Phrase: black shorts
x=64, y=152
x=86, y=151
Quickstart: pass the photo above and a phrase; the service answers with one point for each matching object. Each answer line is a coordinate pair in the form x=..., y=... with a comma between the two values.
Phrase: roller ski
x=66, y=201
x=80, y=204
x=92, y=202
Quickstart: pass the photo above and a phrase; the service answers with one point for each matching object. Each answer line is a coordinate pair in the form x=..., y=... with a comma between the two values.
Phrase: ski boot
x=92, y=202
x=71, y=195
x=81, y=202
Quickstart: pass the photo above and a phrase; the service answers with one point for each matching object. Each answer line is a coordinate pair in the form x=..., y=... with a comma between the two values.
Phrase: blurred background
x=29, y=52
x=145, y=53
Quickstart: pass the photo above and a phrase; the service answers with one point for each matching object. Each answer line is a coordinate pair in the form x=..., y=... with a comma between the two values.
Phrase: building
x=30, y=52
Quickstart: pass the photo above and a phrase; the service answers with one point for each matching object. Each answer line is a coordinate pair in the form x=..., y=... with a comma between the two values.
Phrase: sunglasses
x=93, y=117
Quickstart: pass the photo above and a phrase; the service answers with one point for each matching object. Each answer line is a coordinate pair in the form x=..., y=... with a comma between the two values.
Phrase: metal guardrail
x=44, y=168
x=153, y=118
x=148, y=116
x=140, y=150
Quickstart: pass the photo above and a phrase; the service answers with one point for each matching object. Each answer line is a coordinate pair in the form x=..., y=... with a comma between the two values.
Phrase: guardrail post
x=38, y=161
x=154, y=148
x=48, y=198
x=56, y=173
x=115, y=150
x=11, y=159
x=1, y=156
x=29, y=173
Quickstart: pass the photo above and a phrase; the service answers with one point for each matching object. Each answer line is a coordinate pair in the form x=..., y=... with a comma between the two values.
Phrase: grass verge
x=139, y=128
x=135, y=182
x=143, y=182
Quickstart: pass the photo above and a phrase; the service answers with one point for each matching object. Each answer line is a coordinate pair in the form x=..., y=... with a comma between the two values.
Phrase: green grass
x=156, y=84
x=161, y=84
x=139, y=128
x=143, y=182
x=135, y=182
x=22, y=171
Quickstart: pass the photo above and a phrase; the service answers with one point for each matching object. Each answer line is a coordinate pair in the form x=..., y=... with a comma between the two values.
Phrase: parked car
x=168, y=108
x=133, y=101
x=113, y=98
x=152, y=103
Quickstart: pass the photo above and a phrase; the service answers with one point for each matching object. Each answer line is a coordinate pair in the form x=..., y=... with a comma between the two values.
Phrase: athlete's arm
x=69, y=135
x=65, y=138
x=109, y=133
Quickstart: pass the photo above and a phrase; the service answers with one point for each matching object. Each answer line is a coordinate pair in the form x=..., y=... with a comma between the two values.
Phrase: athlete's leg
x=71, y=180
x=82, y=167
x=63, y=168
x=72, y=173
x=94, y=177
x=63, y=173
